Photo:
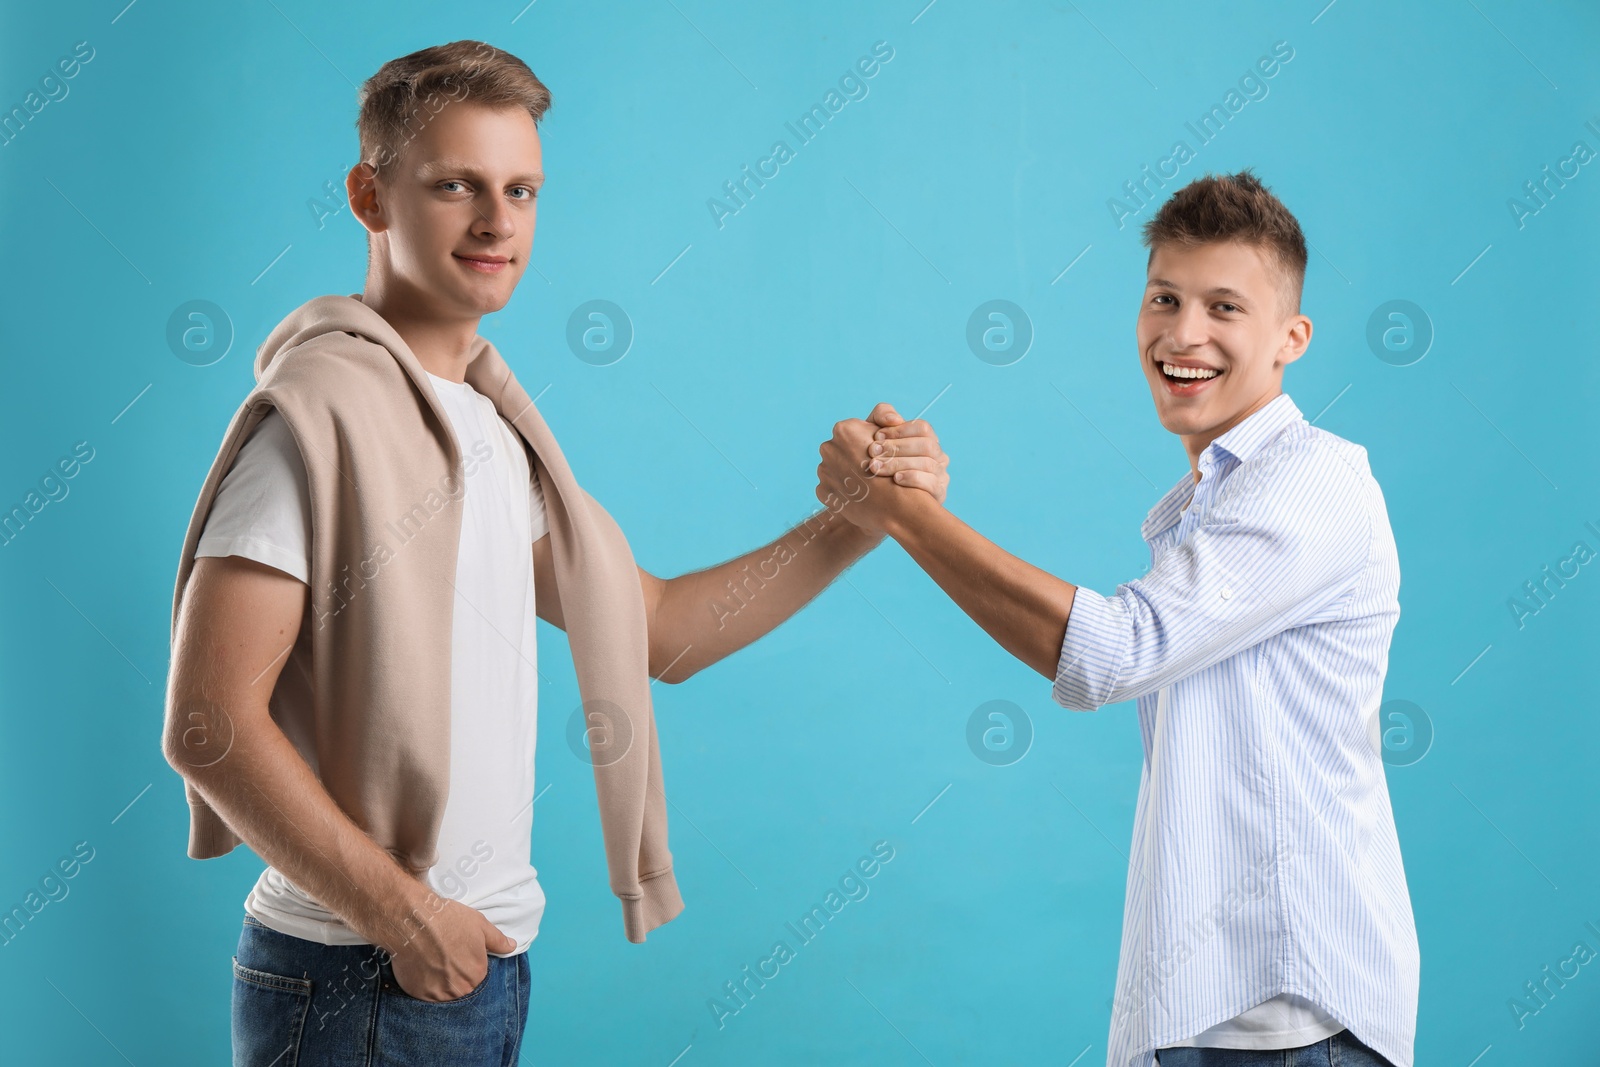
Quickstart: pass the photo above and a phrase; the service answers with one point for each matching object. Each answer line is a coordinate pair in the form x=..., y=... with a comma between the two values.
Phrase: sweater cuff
x=209, y=835
x=658, y=902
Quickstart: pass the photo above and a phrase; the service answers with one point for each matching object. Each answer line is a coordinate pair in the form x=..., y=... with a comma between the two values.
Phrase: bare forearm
x=267, y=793
x=709, y=614
x=1022, y=607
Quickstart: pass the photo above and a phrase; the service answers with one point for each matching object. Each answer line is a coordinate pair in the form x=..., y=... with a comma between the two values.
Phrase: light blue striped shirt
x=1264, y=856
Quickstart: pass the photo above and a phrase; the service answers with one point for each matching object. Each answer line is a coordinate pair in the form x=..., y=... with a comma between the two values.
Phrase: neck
x=1196, y=443
x=442, y=343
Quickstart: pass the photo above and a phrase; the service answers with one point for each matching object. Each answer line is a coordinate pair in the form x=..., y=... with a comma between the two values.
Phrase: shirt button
x=1226, y=592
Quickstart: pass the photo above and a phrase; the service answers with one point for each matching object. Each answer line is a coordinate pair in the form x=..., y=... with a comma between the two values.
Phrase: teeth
x=1174, y=371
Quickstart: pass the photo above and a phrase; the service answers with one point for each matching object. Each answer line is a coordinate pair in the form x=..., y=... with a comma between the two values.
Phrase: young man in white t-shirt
x=262, y=512
x=450, y=213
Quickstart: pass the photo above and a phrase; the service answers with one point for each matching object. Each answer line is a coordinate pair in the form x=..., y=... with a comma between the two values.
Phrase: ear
x=361, y=186
x=1296, y=339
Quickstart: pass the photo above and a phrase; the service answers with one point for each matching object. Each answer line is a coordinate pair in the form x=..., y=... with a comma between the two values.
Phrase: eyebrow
x=1221, y=290
x=437, y=167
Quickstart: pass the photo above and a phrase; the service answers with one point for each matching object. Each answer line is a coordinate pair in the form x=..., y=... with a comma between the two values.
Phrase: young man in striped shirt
x=1267, y=918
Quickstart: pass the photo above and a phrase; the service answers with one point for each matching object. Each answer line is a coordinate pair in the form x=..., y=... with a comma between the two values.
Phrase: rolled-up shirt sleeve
x=1283, y=546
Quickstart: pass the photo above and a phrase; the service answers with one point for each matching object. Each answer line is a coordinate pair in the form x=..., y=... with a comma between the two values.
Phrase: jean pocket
x=391, y=985
x=269, y=1016
x=468, y=1031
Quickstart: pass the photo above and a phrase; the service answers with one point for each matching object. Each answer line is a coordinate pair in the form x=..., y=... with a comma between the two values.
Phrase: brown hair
x=412, y=89
x=1234, y=207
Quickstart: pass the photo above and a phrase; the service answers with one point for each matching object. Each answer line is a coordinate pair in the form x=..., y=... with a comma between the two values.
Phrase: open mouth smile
x=1180, y=380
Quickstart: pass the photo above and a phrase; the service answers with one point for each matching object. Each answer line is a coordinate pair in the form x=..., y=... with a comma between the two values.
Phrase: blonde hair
x=407, y=92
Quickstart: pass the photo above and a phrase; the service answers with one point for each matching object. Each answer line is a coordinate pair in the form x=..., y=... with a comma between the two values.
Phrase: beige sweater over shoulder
x=365, y=696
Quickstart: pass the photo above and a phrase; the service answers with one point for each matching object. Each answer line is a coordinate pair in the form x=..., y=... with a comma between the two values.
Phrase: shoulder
x=1305, y=461
x=270, y=436
x=1308, y=480
x=330, y=364
x=268, y=454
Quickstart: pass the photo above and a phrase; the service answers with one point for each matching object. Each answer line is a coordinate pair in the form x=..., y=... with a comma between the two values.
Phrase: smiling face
x=452, y=217
x=1219, y=315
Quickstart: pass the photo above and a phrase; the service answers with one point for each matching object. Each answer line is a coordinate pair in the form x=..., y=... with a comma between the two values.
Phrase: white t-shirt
x=1285, y=1021
x=263, y=511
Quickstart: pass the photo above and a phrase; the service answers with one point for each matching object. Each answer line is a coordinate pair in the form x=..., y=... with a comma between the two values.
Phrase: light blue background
x=181, y=165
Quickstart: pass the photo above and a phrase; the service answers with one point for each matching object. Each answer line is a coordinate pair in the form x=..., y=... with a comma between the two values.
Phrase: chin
x=1183, y=422
x=486, y=301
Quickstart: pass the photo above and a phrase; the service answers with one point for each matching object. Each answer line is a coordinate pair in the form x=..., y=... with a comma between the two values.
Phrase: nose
x=1189, y=327
x=494, y=219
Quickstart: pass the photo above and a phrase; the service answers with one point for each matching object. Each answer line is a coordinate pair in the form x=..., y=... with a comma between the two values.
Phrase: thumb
x=495, y=939
x=885, y=415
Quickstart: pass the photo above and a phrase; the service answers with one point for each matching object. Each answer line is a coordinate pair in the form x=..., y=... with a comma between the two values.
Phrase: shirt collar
x=1241, y=442
x=1261, y=426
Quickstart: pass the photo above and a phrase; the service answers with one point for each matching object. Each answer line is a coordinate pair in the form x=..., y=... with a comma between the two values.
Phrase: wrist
x=407, y=913
x=859, y=537
x=847, y=536
x=910, y=514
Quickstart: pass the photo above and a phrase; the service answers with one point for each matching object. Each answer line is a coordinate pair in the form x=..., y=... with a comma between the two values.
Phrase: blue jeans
x=1341, y=1050
x=298, y=1003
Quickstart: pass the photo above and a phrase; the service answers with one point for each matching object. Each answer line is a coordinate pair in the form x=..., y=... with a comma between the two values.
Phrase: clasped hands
x=876, y=471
